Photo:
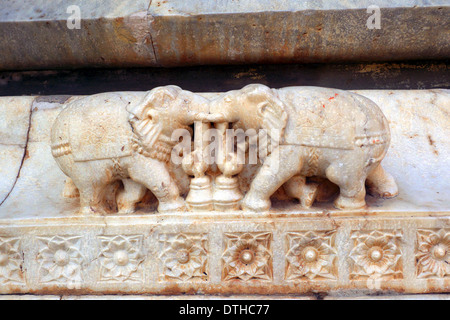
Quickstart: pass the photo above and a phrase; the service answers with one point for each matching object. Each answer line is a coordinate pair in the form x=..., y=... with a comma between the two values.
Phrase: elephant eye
x=262, y=108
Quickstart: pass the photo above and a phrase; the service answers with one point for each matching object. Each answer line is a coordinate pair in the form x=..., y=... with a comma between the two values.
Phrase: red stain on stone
x=331, y=98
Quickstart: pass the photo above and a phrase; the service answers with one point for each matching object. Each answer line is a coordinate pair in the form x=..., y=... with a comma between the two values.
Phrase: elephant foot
x=89, y=211
x=387, y=190
x=250, y=203
x=70, y=189
x=306, y=193
x=381, y=184
x=309, y=195
x=126, y=210
x=349, y=203
x=174, y=205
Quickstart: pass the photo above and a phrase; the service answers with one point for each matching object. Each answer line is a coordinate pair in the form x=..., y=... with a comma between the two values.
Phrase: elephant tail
x=70, y=189
x=373, y=160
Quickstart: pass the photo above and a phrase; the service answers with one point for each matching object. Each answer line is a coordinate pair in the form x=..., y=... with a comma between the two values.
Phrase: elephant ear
x=142, y=115
x=269, y=108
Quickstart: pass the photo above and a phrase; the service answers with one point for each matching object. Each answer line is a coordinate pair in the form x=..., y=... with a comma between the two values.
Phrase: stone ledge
x=136, y=34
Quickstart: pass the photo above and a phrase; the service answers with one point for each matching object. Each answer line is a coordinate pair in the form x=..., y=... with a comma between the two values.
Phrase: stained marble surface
x=230, y=6
x=136, y=33
x=14, y=124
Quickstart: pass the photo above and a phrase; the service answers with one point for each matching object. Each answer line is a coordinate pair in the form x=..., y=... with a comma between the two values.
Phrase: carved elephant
x=324, y=132
x=126, y=136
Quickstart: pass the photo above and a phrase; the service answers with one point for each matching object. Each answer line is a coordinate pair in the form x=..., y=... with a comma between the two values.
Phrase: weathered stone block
x=179, y=33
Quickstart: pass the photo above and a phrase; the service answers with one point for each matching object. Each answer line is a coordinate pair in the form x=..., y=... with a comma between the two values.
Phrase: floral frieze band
x=372, y=259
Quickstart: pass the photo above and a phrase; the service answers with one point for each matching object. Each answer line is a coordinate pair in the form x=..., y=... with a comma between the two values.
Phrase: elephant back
x=98, y=126
x=332, y=118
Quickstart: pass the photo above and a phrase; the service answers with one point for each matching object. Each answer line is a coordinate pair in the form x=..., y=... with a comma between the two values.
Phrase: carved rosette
x=247, y=256
x=60, y=260
x=184, y=257
x=10, y=261
x=433, y=253
x=310, y=255
x=376, y=255
x=121, y=258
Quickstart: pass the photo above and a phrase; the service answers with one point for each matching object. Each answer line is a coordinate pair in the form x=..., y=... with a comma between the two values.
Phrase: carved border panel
x=283, y=257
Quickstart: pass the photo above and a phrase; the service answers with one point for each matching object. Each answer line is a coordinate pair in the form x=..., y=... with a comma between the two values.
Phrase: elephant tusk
x=153, y=135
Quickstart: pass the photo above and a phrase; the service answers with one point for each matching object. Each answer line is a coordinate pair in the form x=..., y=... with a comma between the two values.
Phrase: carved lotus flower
x=60, y=259
x=310, y=255
x=184, y=257
x=433, y=256
x=10, y=261
x=248, y=257
x=120, y=258
x=375, y=255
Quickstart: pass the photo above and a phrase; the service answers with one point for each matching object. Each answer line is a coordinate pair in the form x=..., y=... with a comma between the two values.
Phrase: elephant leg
x=181, y=178
x=351, y=184
x=154, y=175
x=131, y=194
x=275, y=171
x=381, y=184
x=296, y=187
x=90, y=198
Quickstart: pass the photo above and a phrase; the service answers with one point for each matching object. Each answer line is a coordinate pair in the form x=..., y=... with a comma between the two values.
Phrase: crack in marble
x=150, y=20
x=25, y=151
x=12, y=144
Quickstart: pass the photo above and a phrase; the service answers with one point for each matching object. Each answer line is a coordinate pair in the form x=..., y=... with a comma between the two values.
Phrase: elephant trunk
x=198, y=109
x=221, y=111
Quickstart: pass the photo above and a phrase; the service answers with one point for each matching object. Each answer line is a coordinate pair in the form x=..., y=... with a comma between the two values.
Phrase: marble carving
x=206, y=238
x=110, y=147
